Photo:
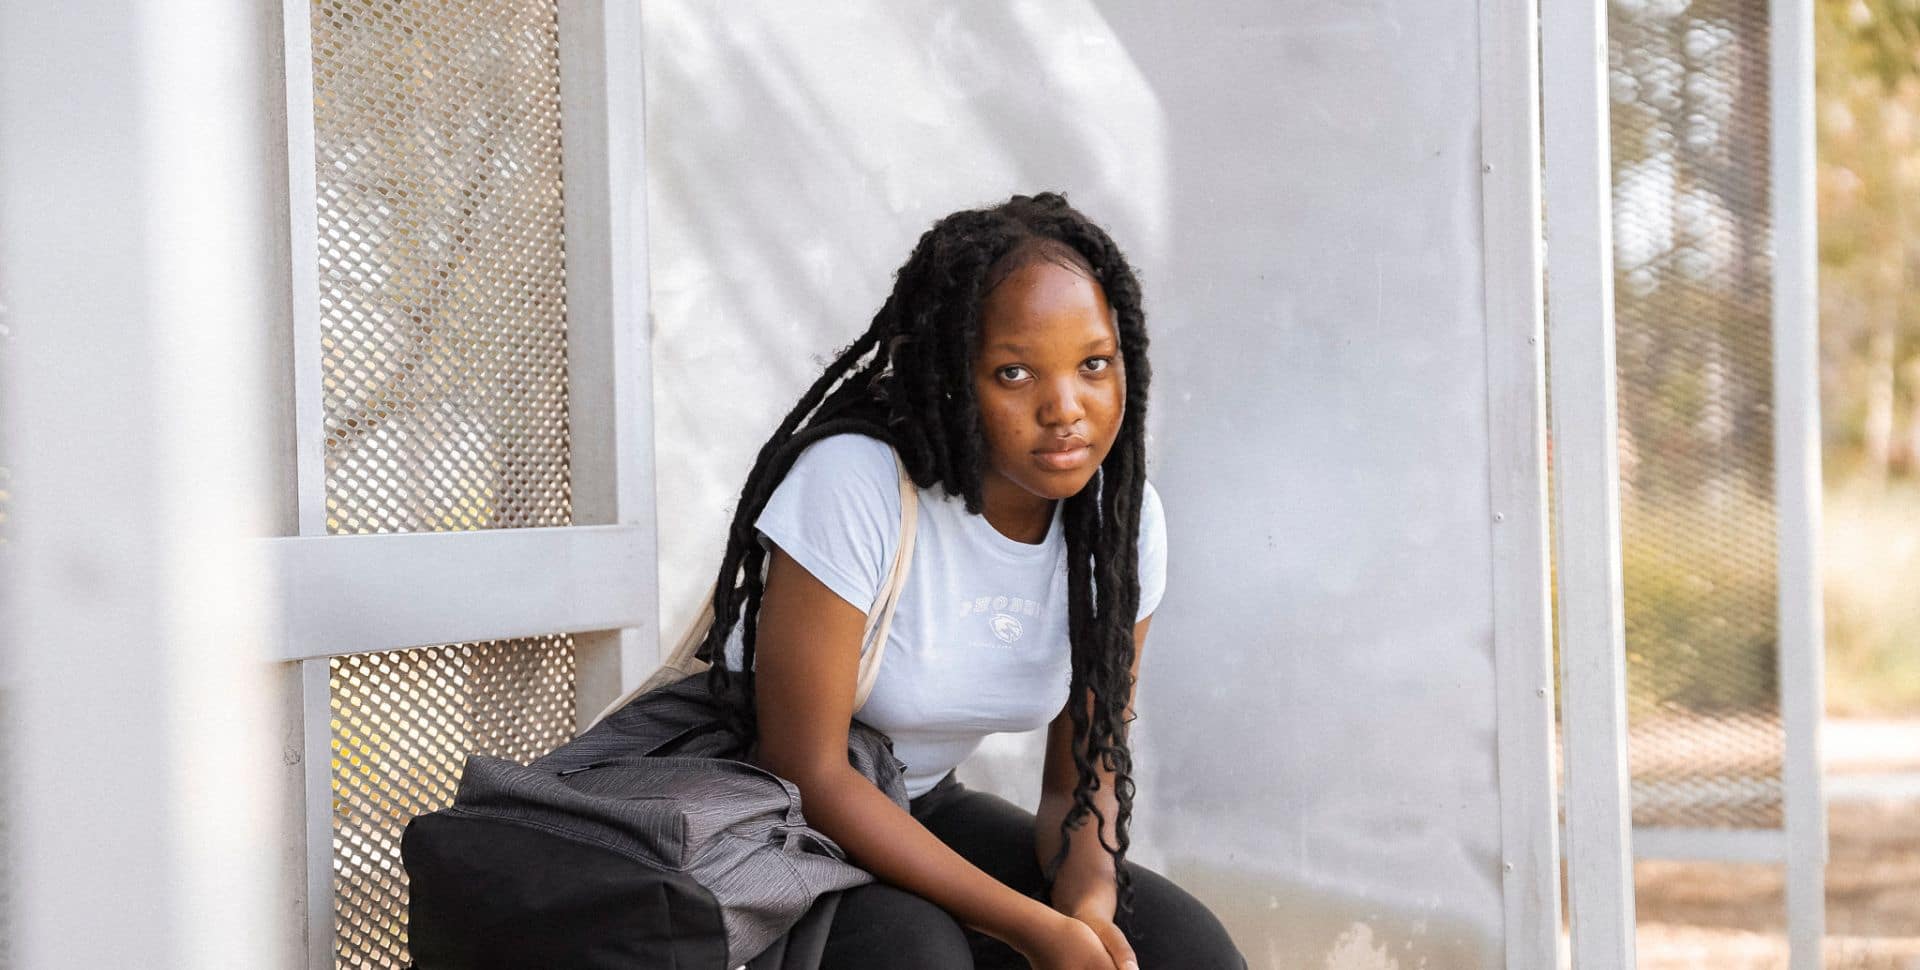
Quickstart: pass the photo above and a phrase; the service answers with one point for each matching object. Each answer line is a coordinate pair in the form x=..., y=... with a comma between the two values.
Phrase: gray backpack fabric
x=647, y=838
x=662, y=781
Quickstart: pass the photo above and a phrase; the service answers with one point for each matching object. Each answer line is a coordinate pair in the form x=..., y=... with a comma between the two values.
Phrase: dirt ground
x=1732, y=917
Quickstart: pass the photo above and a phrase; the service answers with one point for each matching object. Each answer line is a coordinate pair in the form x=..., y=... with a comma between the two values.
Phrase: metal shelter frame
x=383, y=592
x=1601, y=842
x=224, y=279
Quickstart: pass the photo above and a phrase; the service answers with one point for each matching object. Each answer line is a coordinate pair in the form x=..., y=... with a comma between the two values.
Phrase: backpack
x=651, y=839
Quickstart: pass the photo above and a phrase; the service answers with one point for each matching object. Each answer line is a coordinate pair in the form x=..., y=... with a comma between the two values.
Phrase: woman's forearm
x=884, y=839
x=1085, y=882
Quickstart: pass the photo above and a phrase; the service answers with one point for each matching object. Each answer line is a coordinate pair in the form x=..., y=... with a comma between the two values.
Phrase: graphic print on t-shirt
x=998, y=615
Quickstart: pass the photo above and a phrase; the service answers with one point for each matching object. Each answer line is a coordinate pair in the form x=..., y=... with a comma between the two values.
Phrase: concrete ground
x=1732, y=917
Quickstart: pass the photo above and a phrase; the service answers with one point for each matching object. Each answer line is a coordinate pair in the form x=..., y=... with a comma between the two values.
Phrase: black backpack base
x=489, y=894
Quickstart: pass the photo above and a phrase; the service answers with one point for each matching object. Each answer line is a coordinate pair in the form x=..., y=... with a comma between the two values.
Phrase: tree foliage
x=1867, y=79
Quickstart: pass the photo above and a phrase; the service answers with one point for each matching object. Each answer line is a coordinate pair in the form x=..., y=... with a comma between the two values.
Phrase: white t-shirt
x=978, y=643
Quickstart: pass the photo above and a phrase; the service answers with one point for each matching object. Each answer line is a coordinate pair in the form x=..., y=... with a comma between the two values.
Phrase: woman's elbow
x=813, y=772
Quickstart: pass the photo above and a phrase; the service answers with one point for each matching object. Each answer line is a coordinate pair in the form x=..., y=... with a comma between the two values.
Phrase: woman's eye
x=1104, y=362
x=1011, y=372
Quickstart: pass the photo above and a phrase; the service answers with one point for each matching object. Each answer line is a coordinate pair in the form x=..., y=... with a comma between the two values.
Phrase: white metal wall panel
x=6, y=680
x=137, y=243
x=1301, y=188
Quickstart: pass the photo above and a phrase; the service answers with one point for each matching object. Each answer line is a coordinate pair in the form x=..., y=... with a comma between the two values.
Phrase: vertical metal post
x=1592, y=636
x=609, y=354
x=1517, y=474
x=308, y=479
x=1797, y=490
x=135, y=165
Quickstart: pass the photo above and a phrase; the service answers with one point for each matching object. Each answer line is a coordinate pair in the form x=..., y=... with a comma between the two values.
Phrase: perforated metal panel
x=1692, y=308
x=442, y=283
x=443, y=325
x=403, y=724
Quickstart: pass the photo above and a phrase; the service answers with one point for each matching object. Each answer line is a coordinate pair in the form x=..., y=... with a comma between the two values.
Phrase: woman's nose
x=1062, y=404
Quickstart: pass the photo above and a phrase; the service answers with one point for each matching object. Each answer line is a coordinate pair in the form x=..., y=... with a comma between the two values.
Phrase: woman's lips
x=1061, y=460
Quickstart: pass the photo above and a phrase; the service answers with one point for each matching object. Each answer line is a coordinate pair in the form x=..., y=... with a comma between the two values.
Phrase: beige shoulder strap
x=873, y=646
x=873, y=643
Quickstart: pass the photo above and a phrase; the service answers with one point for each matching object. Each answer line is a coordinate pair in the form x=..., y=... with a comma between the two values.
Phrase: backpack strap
x=682, y=662
x=873, y=645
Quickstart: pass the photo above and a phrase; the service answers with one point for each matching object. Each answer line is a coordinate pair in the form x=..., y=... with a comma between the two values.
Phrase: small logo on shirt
x=1002, y=614
x=1005, y=626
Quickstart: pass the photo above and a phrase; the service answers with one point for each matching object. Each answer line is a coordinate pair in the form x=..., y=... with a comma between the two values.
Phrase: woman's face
x=1049, y=378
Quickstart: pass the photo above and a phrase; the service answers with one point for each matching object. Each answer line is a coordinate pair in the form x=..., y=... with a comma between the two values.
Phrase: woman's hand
x=1069, y=944
x=1110, y=936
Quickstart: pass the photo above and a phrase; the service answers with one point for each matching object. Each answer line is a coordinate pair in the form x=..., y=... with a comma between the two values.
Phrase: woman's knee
x=1169, y=927
x=880, y=926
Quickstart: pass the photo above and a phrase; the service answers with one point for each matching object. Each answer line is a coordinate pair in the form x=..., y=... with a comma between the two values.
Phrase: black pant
x=879, y=927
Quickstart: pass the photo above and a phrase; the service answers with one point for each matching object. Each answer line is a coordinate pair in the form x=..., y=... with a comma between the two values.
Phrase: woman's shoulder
x=849, y=448
x=837, y=513
x=1153, y=516
x=848, y=456
x=848, y=467
x=1150, y=508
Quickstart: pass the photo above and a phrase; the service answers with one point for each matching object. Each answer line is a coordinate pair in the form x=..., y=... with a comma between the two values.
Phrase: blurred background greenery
x=1688, y=86
x=1688, y=91
x=1868, y=89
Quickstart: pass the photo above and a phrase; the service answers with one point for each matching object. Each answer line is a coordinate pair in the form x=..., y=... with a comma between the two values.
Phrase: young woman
x=1008, y=369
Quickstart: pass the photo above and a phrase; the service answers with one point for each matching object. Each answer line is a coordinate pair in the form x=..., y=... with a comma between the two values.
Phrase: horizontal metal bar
x=356, y=594
x=1896, y=786
x=1711, y=845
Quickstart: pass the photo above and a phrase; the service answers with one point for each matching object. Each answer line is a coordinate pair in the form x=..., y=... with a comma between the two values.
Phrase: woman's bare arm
x=1084, y=884
x=807, y=657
